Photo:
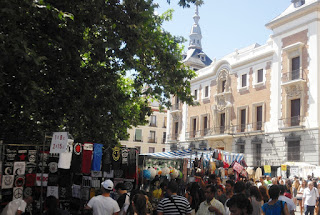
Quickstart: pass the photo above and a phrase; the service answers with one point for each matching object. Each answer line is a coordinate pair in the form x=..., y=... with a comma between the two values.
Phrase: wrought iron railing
x=291, y=121
x=176, y=106
x=297, y=74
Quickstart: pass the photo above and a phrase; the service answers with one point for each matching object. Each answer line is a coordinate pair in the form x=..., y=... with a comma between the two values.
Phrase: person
x=211, y=204
x=290, y=203
x=309, y=198
x=17, y=206
x=256, y=200
x=104, y=204
x=139, y=203
x=274, y=206
x=173, y=204
x=218, y=183
x=301, y=188
x=195, y=196
x=288, y=189
x=239, y=187
x=220, y=195
x=51, y=206
x=295, y=187
x=275, y=181
x=240, y=205
x=264, y=193
x=229, y=188
x=123, y=199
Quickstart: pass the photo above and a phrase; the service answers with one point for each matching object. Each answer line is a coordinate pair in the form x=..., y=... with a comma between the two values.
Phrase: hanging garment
x=76, y=158
x=87, y=158
x=65, y=158
x=116, y=158
x=97, y=157
x=106, y=160
x=258, y=173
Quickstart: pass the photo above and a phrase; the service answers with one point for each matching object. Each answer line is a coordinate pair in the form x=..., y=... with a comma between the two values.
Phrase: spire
x=195, y=34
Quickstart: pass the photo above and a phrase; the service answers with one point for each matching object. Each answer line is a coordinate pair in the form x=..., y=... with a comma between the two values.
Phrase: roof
x=193, y=56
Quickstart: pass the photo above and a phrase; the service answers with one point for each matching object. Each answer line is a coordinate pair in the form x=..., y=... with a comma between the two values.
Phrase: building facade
x=262, y=100
x=149, y=138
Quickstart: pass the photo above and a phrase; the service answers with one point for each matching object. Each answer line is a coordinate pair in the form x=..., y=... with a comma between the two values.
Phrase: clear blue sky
x=226, y=25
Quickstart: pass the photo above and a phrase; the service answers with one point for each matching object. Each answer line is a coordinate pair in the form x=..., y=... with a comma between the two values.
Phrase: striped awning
x=192, y=154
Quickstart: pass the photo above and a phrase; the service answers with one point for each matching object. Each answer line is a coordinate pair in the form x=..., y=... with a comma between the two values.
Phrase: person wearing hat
x=124, y=198
x=104, y=204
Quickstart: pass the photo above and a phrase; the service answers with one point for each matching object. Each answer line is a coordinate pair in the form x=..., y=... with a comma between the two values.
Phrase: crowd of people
x=204, y=196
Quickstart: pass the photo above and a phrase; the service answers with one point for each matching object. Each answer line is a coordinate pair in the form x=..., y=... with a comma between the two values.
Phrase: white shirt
x=310, y=196
x=102, y=205
x=13, y=206
x=291, y=206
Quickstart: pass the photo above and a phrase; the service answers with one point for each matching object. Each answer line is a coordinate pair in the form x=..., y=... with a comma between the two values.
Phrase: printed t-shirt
x=103, y=205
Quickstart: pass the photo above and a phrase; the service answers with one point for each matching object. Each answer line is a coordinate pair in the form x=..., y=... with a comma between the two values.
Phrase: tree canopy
x=86, y=67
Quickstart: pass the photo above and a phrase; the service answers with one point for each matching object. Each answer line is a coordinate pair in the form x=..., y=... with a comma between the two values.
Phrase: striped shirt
x=167, y=207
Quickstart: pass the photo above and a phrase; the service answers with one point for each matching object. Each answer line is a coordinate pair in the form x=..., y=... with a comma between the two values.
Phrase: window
x=260, y=76
x=222, y=122
x=138, y=149
x=257, y=154
x=206, y=91
x=195, y=94
x=176, y=130
x=152, y=137
x=243, y=120
x=244, y=80
x=259, y=118
x=164, y=137
x=151, y=149
x=241, y=148
x=165, y=122
x=205, y=125
x=138, y=135
x=293, y=150
x=153, y=120
x=295, y=68
x=163, y=149
x=295, y=112
x=223, y=85
x=194, y=127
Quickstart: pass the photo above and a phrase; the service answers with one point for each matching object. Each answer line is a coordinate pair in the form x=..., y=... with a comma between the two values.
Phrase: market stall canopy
x=192, y=154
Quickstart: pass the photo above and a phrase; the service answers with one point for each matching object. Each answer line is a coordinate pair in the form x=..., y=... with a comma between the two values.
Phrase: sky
x=226, y=25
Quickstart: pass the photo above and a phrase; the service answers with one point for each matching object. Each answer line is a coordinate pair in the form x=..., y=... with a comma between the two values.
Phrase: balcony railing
x=176, y=106
x=297, y=74
x=173, y=137
x=151, y=140
x=291, y=122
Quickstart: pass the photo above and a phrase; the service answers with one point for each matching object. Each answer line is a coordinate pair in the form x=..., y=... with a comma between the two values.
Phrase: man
x=104, y=204
x=124, y=198
x=240, y=205
x=290, y=204
x=210, y=205
x=17, y=206
x=174, y=204
x=220, y=195
x=309, y=198
x=218, y=182
x=229, y=188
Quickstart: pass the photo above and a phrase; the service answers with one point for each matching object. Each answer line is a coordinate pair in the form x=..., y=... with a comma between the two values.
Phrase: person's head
x=219, y=190
x=239, y=205
x=212, y=179
x=210, y=192
x=264, y=192
x=229, y=186
x=268, y=178
x=107, y=186
x=239, y=187
x=28, y=199
x=274, y=192
x=304, y=184
x=120, y=188
x=275, y=181
x=282, y=189
x=172, y=187
x=310, y=185
x=139, y=204
x=254, y=191
x=218, y=180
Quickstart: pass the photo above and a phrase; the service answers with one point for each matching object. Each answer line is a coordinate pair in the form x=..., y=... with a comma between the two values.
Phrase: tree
x=65, y=65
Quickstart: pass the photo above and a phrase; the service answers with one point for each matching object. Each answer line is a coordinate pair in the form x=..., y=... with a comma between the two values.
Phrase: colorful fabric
x=97, y=157
x=87, y=158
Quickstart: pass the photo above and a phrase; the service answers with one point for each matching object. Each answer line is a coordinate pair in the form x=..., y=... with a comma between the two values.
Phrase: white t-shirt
x=13, y=206
x=126, y=205
x=290, y=204
x=102, y=205
x=310, y=196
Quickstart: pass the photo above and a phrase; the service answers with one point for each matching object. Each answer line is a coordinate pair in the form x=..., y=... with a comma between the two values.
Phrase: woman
x=195, y=196
x=139, y=204
x=239, y=204
x=295, y=187
x=256, y=200
x=264, y=193
x=275, y=207
x=300, y=193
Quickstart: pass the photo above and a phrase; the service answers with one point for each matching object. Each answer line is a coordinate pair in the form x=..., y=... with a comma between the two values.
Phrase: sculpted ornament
x=294, y=90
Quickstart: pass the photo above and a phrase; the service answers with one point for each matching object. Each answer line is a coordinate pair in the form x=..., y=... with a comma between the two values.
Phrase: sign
x=267, y=168
x=294, y=171
x=283, y=167
x=59, y=142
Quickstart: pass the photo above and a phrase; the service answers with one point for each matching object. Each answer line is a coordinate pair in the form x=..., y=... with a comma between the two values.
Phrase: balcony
x=248, y=127
x=173, y=137
x=151, y=140
x=292, y=77
x=176, y=107
x=291, y=122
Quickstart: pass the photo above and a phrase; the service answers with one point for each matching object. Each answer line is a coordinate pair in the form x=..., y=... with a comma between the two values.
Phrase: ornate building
x=262, y=100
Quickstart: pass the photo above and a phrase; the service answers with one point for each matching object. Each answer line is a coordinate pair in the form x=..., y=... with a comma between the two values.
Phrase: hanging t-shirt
x=97, y=156
x=106, y=160
x=76, y=158
x=116, y=158
x=87, y=158
x=30, y=180
x=65, y=158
